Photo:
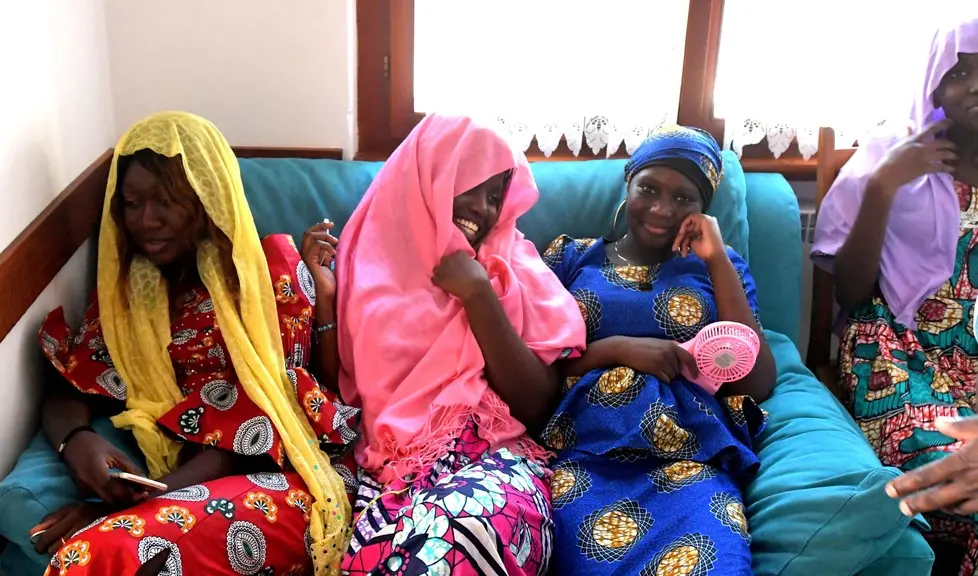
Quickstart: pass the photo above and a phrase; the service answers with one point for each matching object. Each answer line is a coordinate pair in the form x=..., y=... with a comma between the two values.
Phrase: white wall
x=266, y=72
x=79, y=72
x=55, y=119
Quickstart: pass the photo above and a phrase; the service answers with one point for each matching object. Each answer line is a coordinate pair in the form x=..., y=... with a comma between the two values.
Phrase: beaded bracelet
x=318, y=331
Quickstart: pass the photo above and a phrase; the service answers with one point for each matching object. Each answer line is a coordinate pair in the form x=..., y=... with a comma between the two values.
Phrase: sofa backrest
x=578, y=198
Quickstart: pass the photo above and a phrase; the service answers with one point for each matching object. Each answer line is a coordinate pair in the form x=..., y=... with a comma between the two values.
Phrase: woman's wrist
x=479, y=294
x=618, y=350
x=325, y=317
x=325, y=311
x=879, y=190
x=718, y=259
x=72, y=436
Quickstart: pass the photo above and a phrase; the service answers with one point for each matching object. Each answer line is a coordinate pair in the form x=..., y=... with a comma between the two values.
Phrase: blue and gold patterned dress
x=648, y=474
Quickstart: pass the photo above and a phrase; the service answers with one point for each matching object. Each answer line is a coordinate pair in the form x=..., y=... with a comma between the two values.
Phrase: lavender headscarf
x=922, y=233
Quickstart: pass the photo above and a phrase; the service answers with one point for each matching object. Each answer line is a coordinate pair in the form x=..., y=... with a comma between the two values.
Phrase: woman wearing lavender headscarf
x=899, y=231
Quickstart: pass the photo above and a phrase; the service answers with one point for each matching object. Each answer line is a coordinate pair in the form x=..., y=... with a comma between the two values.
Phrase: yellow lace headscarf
x=136, y=323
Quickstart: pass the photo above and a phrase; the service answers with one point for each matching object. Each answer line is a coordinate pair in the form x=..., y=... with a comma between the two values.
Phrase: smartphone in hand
x=140, y=481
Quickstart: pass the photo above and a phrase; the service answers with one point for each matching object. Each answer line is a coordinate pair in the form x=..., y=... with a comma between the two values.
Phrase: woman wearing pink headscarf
x=898, y=230
x=449, y=324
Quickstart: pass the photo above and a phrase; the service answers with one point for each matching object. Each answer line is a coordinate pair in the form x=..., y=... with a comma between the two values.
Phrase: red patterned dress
x=898, y=381
x=255, y=524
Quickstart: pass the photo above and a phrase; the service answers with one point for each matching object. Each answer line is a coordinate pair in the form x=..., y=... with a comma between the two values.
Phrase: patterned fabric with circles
x=648, y=474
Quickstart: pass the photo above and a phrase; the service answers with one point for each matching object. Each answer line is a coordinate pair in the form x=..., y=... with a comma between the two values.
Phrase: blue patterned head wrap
x=691, y=151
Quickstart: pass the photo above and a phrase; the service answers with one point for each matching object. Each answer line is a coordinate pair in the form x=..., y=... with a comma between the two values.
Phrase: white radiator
x=807, y=224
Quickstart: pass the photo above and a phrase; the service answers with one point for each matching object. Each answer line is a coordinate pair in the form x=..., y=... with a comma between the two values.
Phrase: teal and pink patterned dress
x=898, y=381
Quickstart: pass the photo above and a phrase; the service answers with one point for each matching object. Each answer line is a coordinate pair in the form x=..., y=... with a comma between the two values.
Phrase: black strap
x=71, y=434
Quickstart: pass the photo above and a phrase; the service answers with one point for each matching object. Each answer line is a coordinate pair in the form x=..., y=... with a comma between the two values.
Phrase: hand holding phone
x=91, y=458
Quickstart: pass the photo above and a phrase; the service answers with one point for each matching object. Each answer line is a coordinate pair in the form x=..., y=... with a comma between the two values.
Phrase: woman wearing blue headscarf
x=650, y=466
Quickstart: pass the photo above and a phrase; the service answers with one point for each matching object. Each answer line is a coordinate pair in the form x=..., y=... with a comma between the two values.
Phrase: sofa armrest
x=820, y=485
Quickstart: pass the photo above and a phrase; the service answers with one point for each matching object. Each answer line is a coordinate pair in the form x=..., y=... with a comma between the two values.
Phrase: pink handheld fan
x=724, y=352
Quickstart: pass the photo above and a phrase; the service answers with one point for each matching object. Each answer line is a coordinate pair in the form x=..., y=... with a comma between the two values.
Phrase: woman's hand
x=949, y=484
x=700, y=234
x=62, y=524
x=460, y=275
x=317, y=251
x=89, y=458
x=663, y=359
x=917, y=155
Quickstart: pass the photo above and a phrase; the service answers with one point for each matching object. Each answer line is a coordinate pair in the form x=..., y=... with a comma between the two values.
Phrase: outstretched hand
x=949, y=484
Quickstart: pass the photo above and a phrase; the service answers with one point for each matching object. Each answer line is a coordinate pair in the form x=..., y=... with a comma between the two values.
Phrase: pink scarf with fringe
x=409, y=358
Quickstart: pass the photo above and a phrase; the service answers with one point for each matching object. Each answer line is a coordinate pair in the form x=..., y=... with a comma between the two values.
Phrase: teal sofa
x=817, y=506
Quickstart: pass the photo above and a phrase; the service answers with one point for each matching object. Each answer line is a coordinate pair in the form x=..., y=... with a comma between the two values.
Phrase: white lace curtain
x=787, y=68
x=601, y=74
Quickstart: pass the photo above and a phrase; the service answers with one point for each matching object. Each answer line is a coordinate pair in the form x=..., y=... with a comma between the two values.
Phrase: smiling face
x=476, y=211
x=659, y=200
x=958, y=92
x=163, y=223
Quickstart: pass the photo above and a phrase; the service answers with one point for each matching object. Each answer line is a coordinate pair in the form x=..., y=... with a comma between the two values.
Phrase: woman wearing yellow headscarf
x=198, y=342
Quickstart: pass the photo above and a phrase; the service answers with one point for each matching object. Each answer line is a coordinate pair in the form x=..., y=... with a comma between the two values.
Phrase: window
x=598, y=74
x=787, y=68
x=561, y=78
x=592, y=77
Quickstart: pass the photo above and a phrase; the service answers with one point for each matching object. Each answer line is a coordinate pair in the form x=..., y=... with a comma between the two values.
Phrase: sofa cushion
x=288, y=195
x=910, y=554
x=817, y=505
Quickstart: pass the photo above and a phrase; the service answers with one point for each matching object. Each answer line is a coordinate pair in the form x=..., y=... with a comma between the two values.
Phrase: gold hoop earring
x=614, y=224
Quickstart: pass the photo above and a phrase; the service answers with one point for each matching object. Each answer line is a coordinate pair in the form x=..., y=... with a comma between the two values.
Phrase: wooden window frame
x=385, y=86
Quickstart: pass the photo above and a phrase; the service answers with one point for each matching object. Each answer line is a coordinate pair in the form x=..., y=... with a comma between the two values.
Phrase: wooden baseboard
x=38, y=253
